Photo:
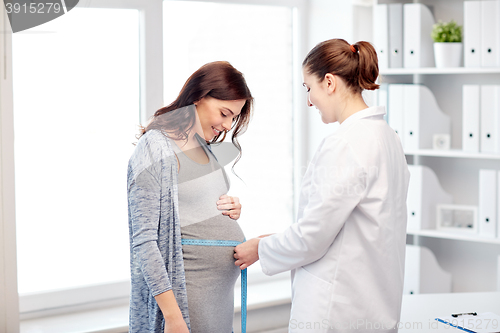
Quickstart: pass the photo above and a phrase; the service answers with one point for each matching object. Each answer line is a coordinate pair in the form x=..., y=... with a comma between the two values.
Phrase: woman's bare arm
x=174, y=322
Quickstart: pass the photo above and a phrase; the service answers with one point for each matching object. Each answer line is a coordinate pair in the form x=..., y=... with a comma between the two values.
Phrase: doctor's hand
x=247, y=253
x=231, y=205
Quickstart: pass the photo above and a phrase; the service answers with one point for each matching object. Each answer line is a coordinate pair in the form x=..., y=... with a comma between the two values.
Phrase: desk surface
x=419, y=311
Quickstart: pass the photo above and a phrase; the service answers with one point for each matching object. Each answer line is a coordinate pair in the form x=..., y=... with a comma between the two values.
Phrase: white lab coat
x=347, y=249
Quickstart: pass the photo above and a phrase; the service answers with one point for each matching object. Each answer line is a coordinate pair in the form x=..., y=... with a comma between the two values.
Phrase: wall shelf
x=453, y=153
x=456, y=170
x=455, y=236
x=440, y=71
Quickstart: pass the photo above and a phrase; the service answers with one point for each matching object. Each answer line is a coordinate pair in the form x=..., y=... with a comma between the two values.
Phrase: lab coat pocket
x=311, y=303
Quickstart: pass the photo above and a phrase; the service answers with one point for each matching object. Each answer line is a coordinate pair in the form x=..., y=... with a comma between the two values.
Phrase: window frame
x=151, y=98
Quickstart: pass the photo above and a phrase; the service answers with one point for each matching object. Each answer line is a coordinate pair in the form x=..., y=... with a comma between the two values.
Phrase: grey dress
x=210, y=270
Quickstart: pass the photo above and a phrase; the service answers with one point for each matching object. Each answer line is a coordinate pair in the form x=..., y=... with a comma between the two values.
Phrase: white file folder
x=381, y=35
x=487, y=202
x=370, y=97
x=412, y=270
x=417, y=42
x=472, y=33
x=395, y=35
x=490, y=119
x=497, y=229
x=382, y=99
x=395, y=101
x=422, y=118
x=424, y=194
x=490, y=34
x=470, y=118
x=498, y=268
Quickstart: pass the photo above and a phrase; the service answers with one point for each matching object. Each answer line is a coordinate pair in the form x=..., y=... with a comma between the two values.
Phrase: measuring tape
x=211, y=242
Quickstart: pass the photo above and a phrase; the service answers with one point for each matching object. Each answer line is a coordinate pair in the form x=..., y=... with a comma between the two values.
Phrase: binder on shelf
x=382, y=96
x=487, y=202
x=422, y=118
x=498, y=273
x=498, y=211
x=370, y=97
x=395, y=35
x=423, y=275
x=424, y=194
x=395, y=103
x=376, y=97
x=490, y=119
x=472, y=34
x=417, y=42
x=490, y=33
x=470, y=118
x=381, y=35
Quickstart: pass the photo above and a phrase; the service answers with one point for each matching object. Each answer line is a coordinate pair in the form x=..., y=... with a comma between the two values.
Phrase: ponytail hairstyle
x=356, y=64
x=219, y=80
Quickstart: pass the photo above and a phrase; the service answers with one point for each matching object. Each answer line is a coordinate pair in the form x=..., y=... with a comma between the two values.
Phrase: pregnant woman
x=177, y=189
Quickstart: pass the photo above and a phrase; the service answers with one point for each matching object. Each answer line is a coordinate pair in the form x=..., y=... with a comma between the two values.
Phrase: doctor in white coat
x=347, y=249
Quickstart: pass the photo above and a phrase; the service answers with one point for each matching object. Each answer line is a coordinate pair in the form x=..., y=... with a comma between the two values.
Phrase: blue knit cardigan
x=155, y=238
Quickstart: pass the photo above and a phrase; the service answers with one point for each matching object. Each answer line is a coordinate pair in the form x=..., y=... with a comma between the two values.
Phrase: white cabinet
x=471, y=260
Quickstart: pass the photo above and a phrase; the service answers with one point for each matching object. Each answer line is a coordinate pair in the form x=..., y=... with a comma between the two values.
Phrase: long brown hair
x=358, y=67
x=219, y=80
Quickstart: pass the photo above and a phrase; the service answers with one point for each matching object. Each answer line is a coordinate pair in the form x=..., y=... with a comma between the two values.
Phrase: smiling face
x=318, y=94
x=323, y=95
x=217, y=115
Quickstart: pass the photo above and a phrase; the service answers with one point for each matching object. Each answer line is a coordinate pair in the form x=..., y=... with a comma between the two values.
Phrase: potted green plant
x=447, y=38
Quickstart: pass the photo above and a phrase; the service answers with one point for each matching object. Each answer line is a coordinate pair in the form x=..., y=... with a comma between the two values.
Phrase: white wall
x=9, y=308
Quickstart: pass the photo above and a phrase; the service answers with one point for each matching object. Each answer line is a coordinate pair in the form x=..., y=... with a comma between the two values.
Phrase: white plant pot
x=448, y=54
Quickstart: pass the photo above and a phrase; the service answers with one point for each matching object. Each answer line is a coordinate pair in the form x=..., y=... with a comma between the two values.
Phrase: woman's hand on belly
x=231, y=205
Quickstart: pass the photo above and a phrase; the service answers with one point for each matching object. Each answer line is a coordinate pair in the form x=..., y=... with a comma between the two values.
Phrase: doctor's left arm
x=337, y=186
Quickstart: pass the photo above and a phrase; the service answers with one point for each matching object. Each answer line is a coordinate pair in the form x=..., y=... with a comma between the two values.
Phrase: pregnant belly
x=211, y=274
x=214, y=261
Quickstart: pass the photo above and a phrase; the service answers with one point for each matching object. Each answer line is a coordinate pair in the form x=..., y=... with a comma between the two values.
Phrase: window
x=257, y=40
x=81, y=90
x=76, y=110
